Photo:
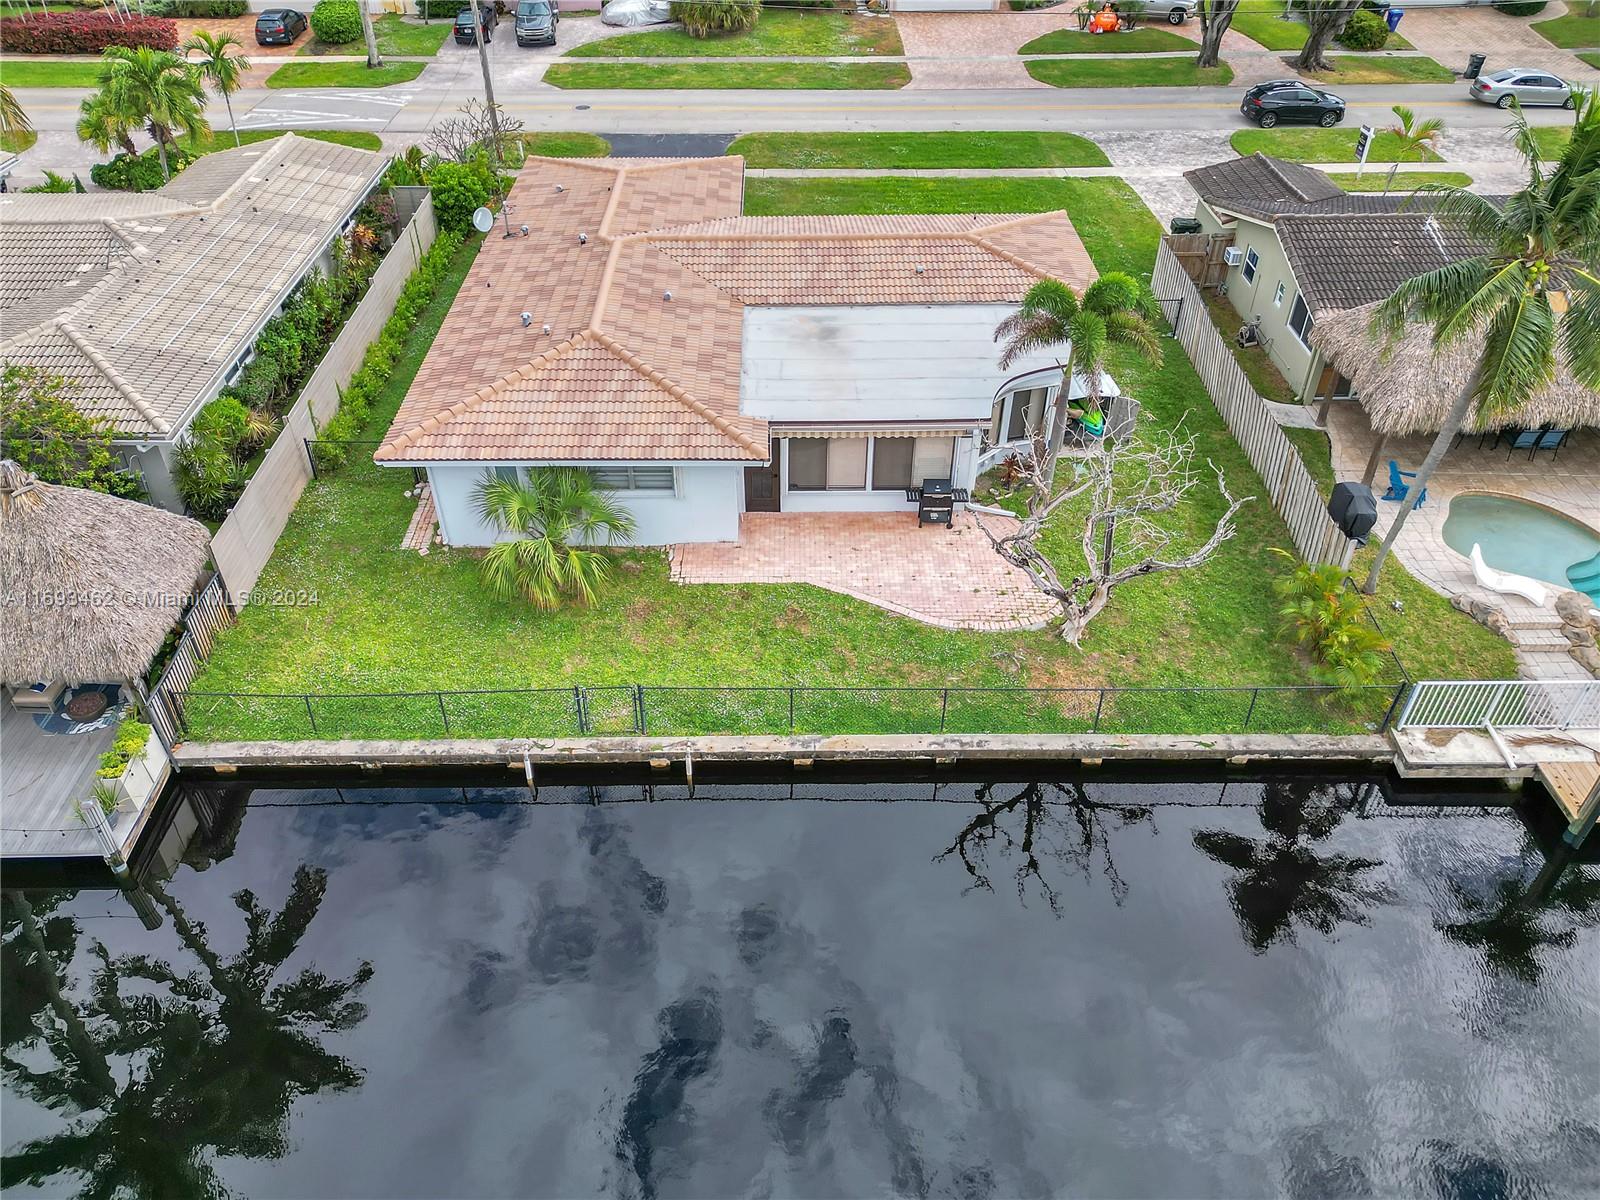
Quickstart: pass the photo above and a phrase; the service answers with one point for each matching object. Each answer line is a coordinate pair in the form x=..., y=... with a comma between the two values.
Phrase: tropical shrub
x=1330, y=621
x=1365, y=30
x=336, y=22
x=53, y=183
x=131, y=738
x=713, y=18
x=224, y=420
x=138, y=172
x=196, y=8
x=85, y=33
x=207, y=477
x=42, y=432
x=558, y=516
x=1521, y=8
x=458, y=190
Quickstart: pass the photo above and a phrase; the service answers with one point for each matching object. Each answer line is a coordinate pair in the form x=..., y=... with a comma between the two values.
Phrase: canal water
x=1282, y=987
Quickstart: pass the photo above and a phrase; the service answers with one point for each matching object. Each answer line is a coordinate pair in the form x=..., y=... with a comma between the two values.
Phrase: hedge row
x=85, y=33
x=196, y=8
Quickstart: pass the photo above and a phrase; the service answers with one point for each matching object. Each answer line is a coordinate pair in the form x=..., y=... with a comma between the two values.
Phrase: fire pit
x=86, y=706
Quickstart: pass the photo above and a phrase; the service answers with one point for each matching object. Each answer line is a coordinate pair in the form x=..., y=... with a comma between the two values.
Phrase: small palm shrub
x=52, y=183
x=713, y=18
x=558, y=517
x=1329, y=620
x=1365, y=30
x=207, y=477
x=336, y=22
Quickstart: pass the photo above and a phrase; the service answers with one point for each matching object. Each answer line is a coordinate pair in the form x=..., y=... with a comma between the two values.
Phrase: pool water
x=1089, y=986
x=1524, y=539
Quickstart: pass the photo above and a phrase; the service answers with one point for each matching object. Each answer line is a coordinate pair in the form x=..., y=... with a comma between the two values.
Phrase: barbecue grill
x=936, y=501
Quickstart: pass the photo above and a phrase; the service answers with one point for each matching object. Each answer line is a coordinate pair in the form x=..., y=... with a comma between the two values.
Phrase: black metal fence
x=624, y=710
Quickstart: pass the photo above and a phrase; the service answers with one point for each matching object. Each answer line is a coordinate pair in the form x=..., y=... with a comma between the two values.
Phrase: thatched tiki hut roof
x=1406, y=387
x=92, y=584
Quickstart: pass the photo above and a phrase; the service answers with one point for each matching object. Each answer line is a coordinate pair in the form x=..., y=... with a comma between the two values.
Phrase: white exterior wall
x=963, y=474
x=705, y=506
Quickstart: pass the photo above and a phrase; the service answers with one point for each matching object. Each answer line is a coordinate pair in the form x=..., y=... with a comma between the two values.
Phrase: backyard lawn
x=821, y=76
x=1137, y=41
x=19, y=73
x=1365, y=68
x=803, y=34
x=342, y=75
x=387, y=620
x=1262, y=21
x=395, y=35
x=1403, y=181
x=1571, y=32
x=1131, y=72
x=1315, y=145
x=918, y=150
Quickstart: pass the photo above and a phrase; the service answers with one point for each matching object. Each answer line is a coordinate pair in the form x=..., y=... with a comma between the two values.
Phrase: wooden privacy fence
x=210, y=613
x=1294, y=493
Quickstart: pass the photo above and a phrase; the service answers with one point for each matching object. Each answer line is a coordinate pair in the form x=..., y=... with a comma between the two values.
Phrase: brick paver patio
x=950, y=578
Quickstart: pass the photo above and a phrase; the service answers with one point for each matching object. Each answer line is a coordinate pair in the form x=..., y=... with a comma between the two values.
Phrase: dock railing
x=1502, y=704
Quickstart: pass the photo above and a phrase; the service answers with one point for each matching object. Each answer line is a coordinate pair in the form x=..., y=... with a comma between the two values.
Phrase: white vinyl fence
x=1294, y=493
x=241, y=547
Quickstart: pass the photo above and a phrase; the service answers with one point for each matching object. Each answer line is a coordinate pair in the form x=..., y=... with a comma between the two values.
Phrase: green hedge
x=196, y=8
x=1520, y=8
x=336, y=22
x=138, y=172
x=1365, y=31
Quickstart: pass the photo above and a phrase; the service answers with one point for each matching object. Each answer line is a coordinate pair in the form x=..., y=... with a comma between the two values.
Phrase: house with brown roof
x=704, y=364
x=149, y=304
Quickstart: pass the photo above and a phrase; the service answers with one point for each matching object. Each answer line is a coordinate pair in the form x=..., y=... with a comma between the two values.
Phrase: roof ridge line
x=678, y=392
x=700, y=275
x=613, y=198
x=1015, y=260
x=669, y=163
x=124, y=388
x=602, y=293
x=526, y=370
x=275, y=151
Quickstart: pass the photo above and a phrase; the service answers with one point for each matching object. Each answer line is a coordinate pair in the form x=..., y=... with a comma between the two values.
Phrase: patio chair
x=1524, y=439
x=1399, y=489
x=1549, y=439
x=1505, y=582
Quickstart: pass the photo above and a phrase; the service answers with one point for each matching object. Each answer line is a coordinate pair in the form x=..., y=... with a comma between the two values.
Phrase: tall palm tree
x=1116, y=310
x=159, y=88
x=13, y=120
x=1413, y=137
x=1531, y=297
x=103, y=124
x=558, y=516
x=222, y=65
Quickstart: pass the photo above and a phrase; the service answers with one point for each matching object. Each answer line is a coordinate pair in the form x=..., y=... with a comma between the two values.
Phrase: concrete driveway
x=973, y=50
x=1449, y=35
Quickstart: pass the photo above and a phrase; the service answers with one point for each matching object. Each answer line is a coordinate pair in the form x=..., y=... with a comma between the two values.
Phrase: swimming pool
x=1525, y=539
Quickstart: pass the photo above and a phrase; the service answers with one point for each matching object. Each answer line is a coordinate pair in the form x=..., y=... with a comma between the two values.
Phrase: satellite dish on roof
x=483, y=220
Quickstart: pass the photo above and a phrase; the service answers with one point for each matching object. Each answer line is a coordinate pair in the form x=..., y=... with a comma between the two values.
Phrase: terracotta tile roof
x=626, y=373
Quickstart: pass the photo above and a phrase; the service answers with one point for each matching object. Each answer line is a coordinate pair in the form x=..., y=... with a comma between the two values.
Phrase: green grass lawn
x=222, y=139
x=395, y=35
x=1366, y=68
x=1136, y=41
x=1404, y=181
x=1571, y=32
x=1258, y=367
x=715, y=75
x=807, y=34
x=566, y=145
x=387, y=620
x=18, y=10
x=1552, y=139
x=15, y=142
x=1314, y=145
x=908, y=151
x=1592, y=58
x=20, y=73
x=1262, y=21
x=342, y=75
x=1133, y=72
x=1315, y=452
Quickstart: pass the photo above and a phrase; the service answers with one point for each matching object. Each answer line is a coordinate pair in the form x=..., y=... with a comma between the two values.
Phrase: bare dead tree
x=1324, y=19
x=1129, y=487
x=463, y=138
x=1215, y=18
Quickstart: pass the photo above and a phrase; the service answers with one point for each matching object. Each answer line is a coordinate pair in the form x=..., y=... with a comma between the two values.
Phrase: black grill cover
x=1353, y=509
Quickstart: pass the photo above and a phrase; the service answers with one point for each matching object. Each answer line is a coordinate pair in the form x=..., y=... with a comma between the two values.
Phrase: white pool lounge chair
x=1505, y=582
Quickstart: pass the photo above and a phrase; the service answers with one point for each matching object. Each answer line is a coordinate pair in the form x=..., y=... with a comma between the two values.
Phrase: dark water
x=1143, y=989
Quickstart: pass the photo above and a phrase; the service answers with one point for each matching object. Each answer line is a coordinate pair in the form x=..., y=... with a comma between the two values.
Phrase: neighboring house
x=1299, y=247
x=149, y=304
x=705, y=364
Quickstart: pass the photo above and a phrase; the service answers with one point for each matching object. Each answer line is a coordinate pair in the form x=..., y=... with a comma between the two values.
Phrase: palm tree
x=223, y=66
x=102, y=124
x=158, y=88
x=1531, y=297
x=13, y=120
x=1116, y=309
x=1412, y=136
x=558, y=515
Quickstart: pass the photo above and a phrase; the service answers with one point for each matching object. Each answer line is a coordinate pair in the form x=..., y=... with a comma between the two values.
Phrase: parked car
x=466, y=34
x=280, y=26
x=1524, y=84
x=1288, y=102
x=536, y=22
x=1173, y=12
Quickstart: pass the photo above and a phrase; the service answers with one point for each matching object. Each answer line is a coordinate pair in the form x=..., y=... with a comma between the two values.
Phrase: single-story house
x=149, y=304
x=1295, y=247
x=705, y=364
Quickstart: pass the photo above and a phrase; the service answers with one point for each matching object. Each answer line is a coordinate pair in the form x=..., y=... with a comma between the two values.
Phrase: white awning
x=885, y=431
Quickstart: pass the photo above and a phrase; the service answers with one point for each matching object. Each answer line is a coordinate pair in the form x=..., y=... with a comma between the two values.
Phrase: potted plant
x=128, y=746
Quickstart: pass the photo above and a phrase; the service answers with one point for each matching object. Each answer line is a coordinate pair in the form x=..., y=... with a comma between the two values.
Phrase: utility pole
x=488, y=84
x=373, y=61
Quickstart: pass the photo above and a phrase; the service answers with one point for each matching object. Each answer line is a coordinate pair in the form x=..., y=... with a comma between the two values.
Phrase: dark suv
x=465, y=34
x=279, y=27
x=1290, y=102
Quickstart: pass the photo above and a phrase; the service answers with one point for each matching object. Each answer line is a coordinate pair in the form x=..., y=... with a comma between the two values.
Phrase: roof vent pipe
x=583, y=239
x=666, y=295
x=921, y=269
x=527, y=319
x=559, y=188
x=546, y=329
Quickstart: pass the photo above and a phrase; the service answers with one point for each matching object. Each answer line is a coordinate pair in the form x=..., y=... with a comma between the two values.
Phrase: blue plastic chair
x=1399, y=489
x=1549, y=439
x=1526, y=439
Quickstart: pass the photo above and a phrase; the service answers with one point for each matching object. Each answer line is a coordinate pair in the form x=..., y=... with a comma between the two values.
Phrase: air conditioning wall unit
x=1233, y=256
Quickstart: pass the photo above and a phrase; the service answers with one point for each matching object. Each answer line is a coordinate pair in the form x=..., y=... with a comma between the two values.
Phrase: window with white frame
x=1277, y=296
x=1300, y=322
x=635, y=479
x=903, y=462
x=1252, y=260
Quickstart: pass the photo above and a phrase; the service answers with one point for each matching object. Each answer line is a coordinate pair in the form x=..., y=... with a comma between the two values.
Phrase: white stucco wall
x=704, y=508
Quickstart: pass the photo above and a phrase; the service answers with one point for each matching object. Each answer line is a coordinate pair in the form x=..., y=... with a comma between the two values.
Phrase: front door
x=761, y=493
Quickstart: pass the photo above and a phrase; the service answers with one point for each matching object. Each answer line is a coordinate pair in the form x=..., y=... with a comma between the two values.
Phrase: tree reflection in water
x=164, y=1066
x=1281, y=880
x=1041, y=823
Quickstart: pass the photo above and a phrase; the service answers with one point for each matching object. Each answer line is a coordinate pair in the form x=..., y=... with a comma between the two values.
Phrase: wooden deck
x=1575, y=785
x=41, y=774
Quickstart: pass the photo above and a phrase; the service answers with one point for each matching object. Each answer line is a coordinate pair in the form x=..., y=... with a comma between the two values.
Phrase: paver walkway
x=946, y=577
x=962, y=39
